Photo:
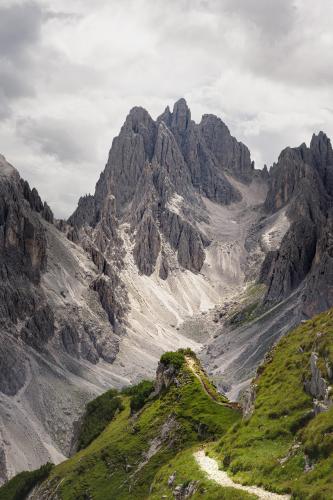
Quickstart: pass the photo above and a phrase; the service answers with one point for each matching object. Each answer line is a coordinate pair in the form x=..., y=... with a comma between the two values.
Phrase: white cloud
x=70, y=70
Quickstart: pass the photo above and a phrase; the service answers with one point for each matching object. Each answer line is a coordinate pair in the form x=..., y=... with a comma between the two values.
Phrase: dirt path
x=210, y=466
x=192, y=366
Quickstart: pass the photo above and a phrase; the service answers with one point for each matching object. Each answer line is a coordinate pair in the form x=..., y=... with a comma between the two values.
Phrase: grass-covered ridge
x=123, y=461
x=283, y=446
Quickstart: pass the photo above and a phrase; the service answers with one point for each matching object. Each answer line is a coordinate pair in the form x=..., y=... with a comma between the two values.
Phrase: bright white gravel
x=210, y=466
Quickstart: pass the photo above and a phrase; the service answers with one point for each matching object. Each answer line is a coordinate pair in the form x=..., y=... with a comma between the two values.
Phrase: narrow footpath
x=210, y=466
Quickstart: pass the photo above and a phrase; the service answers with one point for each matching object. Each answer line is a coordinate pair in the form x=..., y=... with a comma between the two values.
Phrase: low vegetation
x=99, y=413
x=22, y=484
x=177, y=359
x=139, y=394
x=249, y=307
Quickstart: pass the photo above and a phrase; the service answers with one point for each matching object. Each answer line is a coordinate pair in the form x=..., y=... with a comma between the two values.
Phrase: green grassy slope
x=186, y=468
x=122, y=462
x=283, y=446
x=274, y=445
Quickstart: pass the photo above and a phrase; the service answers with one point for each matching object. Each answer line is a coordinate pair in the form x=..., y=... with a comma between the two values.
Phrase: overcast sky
x=70, y=70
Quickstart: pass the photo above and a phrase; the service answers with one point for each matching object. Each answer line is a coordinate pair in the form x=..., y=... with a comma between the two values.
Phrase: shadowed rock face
x=58, y=309
x=25, y=309
x=153, y=163
x=23, y=258
x=302, y=181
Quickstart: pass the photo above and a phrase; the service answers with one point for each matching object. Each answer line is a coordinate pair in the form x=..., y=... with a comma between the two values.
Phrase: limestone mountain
x=183, y=244
x=157, y=173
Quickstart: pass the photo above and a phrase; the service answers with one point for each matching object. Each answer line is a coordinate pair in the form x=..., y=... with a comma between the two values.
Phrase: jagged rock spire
x=152, y=161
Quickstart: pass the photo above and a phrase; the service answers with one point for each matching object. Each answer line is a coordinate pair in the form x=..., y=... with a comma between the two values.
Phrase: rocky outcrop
x=247, y=400
x=106, y=287
x=185, y=490
x=165, y=376
x=85, y=212
x=23, y=259
x=322, y=159
x=13, y=369
x=148, y=244
x=128, y=155
x=184, y=238
x=318, y=293
x=318, y=387
x=164, y=267
x=35, y=202
x=39, y=328
x=22, y=237
x=285, y=268
x=206, y=170
x=24, y=250
x=232, y=156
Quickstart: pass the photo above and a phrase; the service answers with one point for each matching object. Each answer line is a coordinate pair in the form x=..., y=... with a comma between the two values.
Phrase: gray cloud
x=56, y=138
x=272, y=18
x=70, y=70
x=13, y=83
x=20, y=25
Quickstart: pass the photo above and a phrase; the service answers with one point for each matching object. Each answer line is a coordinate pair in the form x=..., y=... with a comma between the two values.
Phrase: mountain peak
x=6, y=170
x=181, y=115
x=138, y=116
x=322, y=152
x=320, y=142
x=165, y=117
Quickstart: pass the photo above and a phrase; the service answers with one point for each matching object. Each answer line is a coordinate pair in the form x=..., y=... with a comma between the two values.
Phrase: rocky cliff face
x=59, y=313
x=157, y=172
x=301, y=181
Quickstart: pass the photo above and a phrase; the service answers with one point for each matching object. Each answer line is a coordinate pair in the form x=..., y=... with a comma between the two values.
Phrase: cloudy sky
x=70, y=70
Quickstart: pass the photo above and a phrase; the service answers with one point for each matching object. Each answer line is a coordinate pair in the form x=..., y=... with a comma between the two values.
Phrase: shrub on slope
x=20, y=486
x=98, y=415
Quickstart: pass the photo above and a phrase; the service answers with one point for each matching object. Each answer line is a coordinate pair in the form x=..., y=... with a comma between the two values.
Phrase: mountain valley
x=183, y=245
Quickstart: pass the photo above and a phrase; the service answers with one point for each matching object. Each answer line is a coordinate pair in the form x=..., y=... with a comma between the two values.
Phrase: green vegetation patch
x=250, y=306
x=21, y=485
x=177, y=359
x=139, y=394
x=98, y=415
